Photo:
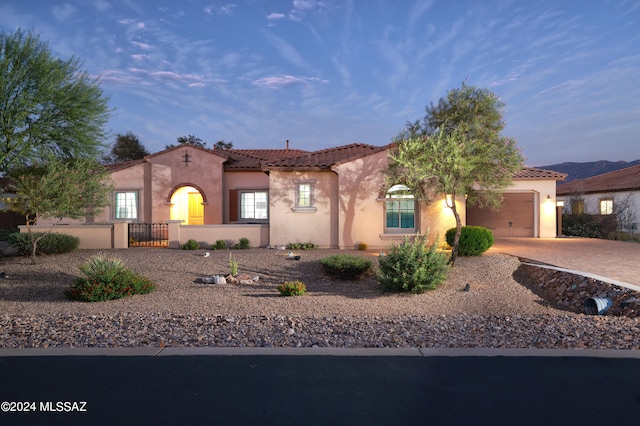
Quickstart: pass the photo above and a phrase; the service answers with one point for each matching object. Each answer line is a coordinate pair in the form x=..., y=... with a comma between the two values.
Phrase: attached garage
x=516, y=217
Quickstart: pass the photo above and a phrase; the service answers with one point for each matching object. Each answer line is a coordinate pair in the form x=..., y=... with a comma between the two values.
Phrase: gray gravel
x=183, y=311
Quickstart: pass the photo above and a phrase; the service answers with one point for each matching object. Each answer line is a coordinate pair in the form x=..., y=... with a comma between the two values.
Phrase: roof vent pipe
x=287, y=144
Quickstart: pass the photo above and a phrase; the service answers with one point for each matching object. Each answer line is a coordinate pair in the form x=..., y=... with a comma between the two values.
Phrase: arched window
x=400, y=210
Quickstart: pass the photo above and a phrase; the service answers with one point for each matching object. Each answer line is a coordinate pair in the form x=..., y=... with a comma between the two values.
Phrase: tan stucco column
x=174, y=233
x=121, y=235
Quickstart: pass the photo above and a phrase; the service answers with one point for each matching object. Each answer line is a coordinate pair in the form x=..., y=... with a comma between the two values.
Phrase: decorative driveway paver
x=616, y=260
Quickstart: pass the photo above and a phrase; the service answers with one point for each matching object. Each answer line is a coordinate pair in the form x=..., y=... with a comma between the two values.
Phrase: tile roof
x=121, y=166
x=328, y=157
x=534, y=173
x=255, y=158
x=620, y=180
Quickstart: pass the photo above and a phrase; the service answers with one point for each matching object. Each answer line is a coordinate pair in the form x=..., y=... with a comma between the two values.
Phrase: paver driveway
x=615, y=260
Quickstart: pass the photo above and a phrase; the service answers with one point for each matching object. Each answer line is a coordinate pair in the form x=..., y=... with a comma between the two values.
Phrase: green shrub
x=107, y=278
x=346, y=266
x=474, y=240
x=590, y=226
x=363, y=247
x=51, y=243
x=301, y=246
x=413, y=267
x=292, y=288
x=190, y=245
x=219, y=245
x=243, y=244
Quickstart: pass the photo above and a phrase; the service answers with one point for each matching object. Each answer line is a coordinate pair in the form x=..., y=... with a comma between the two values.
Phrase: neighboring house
x=616, y=192
x=332, y=198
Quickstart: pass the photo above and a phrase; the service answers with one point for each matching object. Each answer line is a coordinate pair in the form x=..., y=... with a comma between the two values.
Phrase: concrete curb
x=338, y=352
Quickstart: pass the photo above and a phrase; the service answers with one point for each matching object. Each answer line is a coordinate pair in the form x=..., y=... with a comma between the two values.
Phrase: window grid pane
x=254, y=205
x=304, y=195
x=247, y=205
x=126, y=205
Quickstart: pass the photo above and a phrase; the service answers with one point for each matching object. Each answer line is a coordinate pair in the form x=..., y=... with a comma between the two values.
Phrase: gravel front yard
x=183, y=311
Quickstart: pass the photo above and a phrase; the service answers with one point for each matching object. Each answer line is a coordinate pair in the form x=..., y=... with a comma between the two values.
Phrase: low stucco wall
x=258, y=235
x=91, y=236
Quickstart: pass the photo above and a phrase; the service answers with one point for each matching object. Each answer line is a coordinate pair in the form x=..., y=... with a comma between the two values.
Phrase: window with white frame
x=126, y=205
x=254, y=205
x=606, y=206
x=400, y=210
x=304, y=196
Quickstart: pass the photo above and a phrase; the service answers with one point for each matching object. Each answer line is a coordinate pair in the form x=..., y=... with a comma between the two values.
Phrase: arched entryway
x=187, y=204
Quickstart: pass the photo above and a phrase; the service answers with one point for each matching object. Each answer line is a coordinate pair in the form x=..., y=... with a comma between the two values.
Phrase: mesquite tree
x=457, y=152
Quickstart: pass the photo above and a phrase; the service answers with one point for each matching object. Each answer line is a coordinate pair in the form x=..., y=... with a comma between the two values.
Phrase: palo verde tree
x=54, y=189
x=48, y=106
x=127, y=147
x=457, y=151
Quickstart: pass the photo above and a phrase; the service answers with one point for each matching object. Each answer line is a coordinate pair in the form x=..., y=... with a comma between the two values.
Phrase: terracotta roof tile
x=328, y=157
x=121, y=166
x=620, y=180
x=534, y=173
x=255, y=158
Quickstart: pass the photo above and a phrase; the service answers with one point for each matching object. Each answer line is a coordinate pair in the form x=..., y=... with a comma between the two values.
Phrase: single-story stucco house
x=334, y=198
x=616, y=192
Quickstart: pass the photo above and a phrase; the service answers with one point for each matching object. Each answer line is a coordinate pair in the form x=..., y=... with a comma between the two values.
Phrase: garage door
x=514, y=219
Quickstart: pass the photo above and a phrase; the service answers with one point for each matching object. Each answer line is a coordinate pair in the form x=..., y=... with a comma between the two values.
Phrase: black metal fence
x=148, y=235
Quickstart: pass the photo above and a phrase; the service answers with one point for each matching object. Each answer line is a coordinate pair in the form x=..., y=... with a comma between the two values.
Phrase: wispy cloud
x=226, y=9
x=132, y=23
x=64, y=12
x=286, y=50
x=280, y=81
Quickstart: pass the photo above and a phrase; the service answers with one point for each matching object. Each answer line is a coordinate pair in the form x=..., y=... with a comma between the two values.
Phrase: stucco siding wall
x=290, y=226
x=204, y=171
x=241, y=181
x=361, y=214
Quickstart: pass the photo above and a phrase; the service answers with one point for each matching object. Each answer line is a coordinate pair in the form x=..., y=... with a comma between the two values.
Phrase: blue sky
x=324, y=73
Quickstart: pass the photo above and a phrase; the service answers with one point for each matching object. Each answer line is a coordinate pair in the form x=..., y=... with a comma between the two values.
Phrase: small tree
x=189, y=140
x=464, y=156
x=126, y=148
x=48, y=106
x=57, y=189
x=221, y=144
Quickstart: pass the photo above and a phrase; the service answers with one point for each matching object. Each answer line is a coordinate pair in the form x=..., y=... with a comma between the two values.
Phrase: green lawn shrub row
x=51, y=243
x=474, y=240
x=346, y=266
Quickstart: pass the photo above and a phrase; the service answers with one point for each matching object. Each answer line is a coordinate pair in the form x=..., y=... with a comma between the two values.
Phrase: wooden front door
x=196, y=209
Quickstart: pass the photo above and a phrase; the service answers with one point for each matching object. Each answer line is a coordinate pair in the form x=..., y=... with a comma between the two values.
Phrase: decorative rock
x=231, y=279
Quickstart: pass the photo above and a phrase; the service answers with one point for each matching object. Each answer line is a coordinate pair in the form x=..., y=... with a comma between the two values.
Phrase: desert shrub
x=590, y=226
x=51, y=243
x=474, y=240
x=219, y=245
x=301, y=246
x=243, y=244
x=292, y=288
x=363, y=246
x=107, y=278
x=412, y=266
x=190, y=245
x=346, y=266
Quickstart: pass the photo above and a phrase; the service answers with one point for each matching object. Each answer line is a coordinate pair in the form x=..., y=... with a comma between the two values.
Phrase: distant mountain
x=585, y=170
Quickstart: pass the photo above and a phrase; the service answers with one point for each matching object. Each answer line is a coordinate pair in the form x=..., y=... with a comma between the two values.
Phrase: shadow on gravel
x=36, y=287
x=523, y=277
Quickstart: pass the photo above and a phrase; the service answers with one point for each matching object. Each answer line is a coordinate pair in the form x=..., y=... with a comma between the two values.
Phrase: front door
x=196, y=209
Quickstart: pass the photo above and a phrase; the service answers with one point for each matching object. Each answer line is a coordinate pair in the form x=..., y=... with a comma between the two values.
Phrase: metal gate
x=148, y=235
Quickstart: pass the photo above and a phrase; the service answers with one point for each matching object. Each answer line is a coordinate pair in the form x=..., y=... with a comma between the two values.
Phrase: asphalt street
x=318, y=390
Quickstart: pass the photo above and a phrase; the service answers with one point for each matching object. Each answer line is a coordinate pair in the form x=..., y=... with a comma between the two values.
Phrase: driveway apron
x=615, y=260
